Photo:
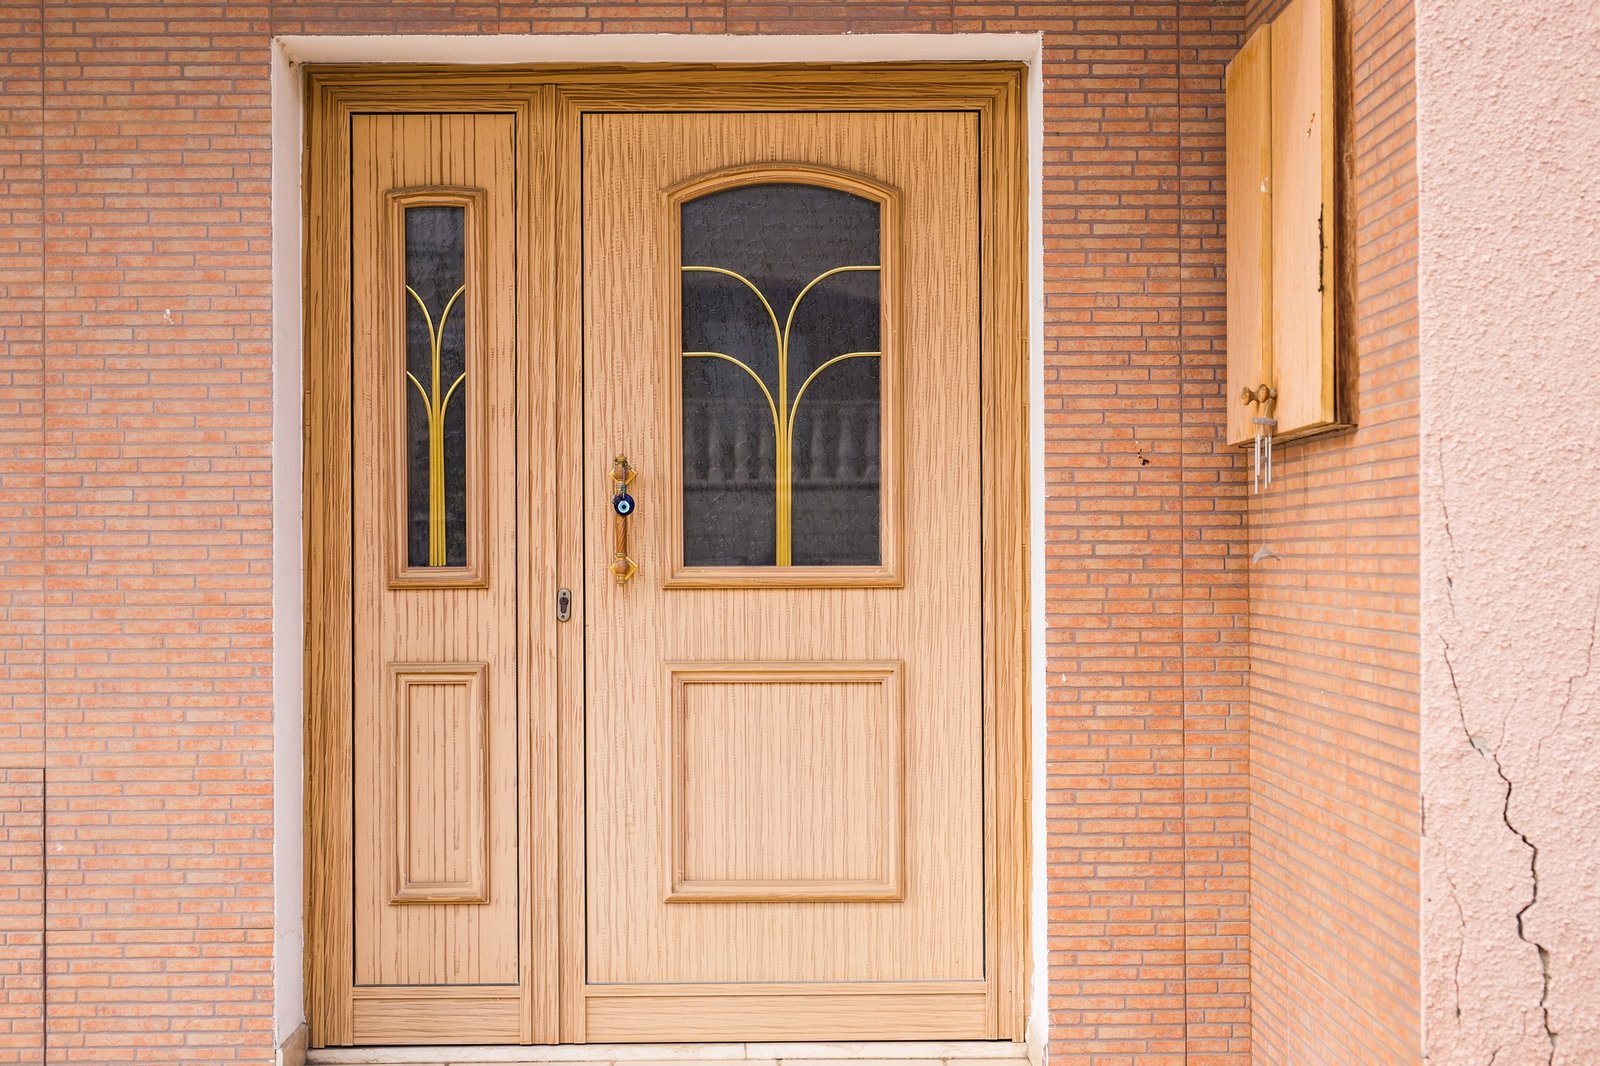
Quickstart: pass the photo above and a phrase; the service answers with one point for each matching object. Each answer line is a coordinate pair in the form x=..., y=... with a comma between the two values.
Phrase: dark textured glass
x=435, y=267
x=780, y=237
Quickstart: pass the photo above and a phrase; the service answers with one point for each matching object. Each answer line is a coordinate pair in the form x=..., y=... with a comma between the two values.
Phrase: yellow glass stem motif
x=780, y=405
x=435, y=406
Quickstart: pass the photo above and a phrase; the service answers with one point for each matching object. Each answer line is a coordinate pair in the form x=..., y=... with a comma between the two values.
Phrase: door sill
x=859, y=1053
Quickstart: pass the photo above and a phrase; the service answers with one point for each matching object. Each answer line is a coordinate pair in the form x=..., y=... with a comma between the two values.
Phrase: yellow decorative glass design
x=436, y=407
x=781, y=284
x=435, y=379
x=782, y=408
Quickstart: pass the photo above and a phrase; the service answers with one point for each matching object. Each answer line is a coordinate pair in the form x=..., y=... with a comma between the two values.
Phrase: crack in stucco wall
x=1479, y=743
x=1507, y=135
x=1572, y=684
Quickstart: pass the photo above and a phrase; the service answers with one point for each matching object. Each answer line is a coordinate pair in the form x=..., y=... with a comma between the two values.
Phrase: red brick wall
x=21, y=540
x=21, y=917
x=1334, y=644
x=134, y=488
x=135, y=653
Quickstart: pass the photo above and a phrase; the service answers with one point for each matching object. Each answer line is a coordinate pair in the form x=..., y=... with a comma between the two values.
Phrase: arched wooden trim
x=889, y=572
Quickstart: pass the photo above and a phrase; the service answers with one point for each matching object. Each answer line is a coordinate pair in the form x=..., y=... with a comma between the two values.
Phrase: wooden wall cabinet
x=1289, y=289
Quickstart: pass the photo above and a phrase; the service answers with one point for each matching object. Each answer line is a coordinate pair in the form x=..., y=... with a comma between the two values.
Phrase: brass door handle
x=622, y=507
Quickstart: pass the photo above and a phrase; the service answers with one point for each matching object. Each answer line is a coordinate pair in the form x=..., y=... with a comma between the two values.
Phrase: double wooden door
x=668, y=665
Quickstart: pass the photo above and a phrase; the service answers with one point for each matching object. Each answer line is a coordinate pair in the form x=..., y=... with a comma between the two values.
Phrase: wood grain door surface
x=784, y=826
x=437, y=865
x=777, y=723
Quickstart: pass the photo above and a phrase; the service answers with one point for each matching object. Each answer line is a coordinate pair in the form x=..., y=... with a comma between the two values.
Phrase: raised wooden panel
x=1305, y=220
x=784, y=781
x=1248, y=96
x=441, y=713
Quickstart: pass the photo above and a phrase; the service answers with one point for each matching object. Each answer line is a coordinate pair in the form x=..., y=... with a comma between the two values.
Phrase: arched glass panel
x=782, y=377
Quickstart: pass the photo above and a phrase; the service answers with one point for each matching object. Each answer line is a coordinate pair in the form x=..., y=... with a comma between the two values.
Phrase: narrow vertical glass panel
x=435, y=385
x=782, y=398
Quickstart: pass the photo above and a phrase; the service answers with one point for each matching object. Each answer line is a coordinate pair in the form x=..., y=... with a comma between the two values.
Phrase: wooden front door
x=436, y=567
x=783, y=704
x=665, y=562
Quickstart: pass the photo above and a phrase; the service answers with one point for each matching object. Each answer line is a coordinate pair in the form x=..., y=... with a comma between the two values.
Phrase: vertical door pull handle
x=622, y=507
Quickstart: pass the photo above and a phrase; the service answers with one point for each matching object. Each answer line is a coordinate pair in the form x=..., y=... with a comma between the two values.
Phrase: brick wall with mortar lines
x=21, y=544
x=21, y=917
x=135, y=554
x=1335, y=823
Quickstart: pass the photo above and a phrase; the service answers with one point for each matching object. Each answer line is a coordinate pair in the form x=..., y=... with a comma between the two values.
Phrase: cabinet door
x=1304, y=217
x=1248, y=106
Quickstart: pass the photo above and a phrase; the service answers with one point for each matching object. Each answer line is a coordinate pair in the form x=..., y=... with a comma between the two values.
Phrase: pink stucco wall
x=1509, y=148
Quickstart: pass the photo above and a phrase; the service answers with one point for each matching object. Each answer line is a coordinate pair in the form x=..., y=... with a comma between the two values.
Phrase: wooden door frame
x=552, y=100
